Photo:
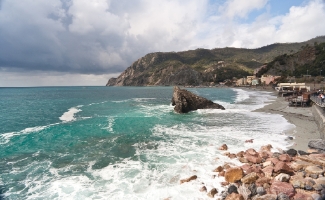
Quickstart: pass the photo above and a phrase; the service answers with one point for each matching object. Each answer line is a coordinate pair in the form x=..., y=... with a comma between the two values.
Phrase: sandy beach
x=302, y=117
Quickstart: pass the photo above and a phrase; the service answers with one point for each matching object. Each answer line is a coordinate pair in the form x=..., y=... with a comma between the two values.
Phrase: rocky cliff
x=201, y=66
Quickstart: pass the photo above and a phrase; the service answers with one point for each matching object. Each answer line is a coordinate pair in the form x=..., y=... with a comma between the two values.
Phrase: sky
x=86, y=42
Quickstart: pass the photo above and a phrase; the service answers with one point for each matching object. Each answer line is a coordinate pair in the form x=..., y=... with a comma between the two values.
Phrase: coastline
x=301, y=117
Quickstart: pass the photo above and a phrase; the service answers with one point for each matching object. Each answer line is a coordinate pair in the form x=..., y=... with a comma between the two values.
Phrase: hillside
x=202, y=66
x=308, y=61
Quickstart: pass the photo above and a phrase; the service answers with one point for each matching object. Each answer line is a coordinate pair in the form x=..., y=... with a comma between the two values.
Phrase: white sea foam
x=70, y=114
x=110, y=125
x=142, y=99
x=5, y=137
x=121, y=101
x=241, y=95
x=94, y=103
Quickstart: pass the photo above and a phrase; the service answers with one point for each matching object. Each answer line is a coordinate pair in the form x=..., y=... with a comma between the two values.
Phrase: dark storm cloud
x=36, y=39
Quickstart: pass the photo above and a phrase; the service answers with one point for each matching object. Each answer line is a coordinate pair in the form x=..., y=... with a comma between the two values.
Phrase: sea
x=125, y=142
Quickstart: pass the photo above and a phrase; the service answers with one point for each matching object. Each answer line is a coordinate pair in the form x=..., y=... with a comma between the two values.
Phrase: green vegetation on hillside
x=310, y=60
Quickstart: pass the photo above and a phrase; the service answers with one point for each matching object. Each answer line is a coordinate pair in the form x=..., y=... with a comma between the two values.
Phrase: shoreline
x=302, y=118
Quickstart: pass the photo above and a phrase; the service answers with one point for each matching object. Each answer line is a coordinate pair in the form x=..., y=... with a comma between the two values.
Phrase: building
x=241, y=82
x=267, y=79
x=250, y=79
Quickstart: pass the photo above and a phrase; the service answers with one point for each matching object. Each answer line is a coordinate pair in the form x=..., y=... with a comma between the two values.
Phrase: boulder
x=223, y=147
x=185, y=101
x=282, y=177
x=282, y=167
x=233, y=175
x=261, y=181
x=319, y=184
x=256, y=159
x=212, y=192
x=292, y=152
x=298, y=165
x=203, y=189
x=268, y=171
x=251, y=152
x=317, y=159
x=188, y=179
x=268, y=163
x=243, y=190
x=260, y=191
x=232, y=189
x=309, y=183
x=218, y=169
x=250, y=178
x=314, y=170
x=278, y=187
x=266, y=148
x=297, y=181
x=234, y=196
x=285, y=158
x=317, y=144
x=267, y=197
x=283, y=196
x=273, y=160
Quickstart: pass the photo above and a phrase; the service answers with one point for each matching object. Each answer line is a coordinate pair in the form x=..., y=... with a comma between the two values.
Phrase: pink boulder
x=278, y=187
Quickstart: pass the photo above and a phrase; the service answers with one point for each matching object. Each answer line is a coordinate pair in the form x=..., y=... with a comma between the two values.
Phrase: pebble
x=283, y=196
x=232, y=189
x=260, y=190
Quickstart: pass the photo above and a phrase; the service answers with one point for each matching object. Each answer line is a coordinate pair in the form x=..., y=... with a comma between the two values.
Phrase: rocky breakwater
x=185, y=101
x=270, y=175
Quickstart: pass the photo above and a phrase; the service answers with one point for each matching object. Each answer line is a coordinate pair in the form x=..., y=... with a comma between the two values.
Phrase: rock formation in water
x=185, y=101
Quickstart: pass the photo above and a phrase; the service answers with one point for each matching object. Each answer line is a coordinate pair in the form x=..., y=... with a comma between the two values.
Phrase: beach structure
x=285, y=89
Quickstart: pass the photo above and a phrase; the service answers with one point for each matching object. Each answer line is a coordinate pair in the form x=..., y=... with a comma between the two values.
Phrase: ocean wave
x=241, y=95
x=69, y=115
x=142, y=99
x=5, y=137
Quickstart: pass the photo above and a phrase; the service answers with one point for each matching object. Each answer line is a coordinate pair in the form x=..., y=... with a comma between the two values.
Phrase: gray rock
x=224, y=195
x=232, y=189
x=292, y=152
x=302, y=153
x=316, y=196
x=309, y=184
x=283, y=196
x=185, y=101
x=260, y=190
x=252, y=188
x=317, y=144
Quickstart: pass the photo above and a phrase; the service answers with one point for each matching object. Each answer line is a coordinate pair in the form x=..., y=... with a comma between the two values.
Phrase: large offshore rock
x=185, y=101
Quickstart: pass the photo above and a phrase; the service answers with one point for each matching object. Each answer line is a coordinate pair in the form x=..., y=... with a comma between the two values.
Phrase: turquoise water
x=120, y=142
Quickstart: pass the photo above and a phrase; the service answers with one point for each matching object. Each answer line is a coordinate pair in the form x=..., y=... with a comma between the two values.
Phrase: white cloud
x=240, y=8
x=106, y=36
x=299, y=24
x=302, y=23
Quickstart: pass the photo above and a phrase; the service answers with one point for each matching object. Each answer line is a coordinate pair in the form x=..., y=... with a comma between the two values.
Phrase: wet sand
x=302, y=117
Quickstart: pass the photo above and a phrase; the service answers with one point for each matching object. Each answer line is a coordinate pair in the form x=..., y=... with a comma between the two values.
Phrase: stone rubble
x=270, y=176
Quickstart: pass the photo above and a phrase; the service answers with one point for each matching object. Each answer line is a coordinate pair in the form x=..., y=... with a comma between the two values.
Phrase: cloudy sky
x=85, y=42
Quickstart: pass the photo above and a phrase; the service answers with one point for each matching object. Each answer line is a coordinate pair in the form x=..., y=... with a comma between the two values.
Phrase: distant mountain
x=203, y=66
